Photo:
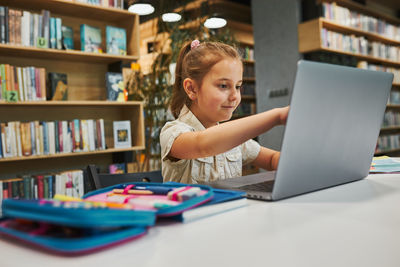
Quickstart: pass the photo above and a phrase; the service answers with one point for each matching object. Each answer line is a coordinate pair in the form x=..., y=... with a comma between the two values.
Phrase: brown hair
x=195, y=64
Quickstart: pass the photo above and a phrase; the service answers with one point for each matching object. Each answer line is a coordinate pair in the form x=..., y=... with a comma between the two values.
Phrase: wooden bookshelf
x=86, y=86
x=310, y=40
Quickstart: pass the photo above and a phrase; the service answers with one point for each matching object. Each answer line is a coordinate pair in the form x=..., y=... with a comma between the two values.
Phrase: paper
x=384, y=164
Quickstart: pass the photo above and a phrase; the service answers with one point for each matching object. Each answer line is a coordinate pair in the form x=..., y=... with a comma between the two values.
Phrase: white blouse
x=192, y=171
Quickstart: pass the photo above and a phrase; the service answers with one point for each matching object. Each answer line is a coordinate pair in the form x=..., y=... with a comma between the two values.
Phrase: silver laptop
x=331, y=132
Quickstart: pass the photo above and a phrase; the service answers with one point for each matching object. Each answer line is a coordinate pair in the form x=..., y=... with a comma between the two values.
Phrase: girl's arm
x=223, y=137
x=267, y=159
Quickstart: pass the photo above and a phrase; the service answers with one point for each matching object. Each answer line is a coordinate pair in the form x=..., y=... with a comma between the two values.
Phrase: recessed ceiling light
x=141, y=9
x=171, y=17
x=215, y=23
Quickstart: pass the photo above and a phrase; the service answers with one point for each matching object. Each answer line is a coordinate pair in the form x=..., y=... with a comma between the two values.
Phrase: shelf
x=387, y=151
x=249, y=79
x=73, y=9
x=363, y=10
x=310, y=41
x=250, y=98
x=56, y=54
x=248, y=61
x=74, y=154
x=71, y=103
x=393, y=106
x=390, y=128
x=337, y=27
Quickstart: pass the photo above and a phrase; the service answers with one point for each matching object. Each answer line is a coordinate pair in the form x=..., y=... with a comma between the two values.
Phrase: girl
x=195, y=148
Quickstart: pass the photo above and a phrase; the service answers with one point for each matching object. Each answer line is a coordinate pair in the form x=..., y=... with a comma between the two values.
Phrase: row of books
x=391, y=118
x=249, y=70
x=247, y=52
x=21, y=27
x=388, y=142
x=41, y=30
x=245, y=108
x=249, y=89
x=394, y=98
x=104, y=3
x=91, y=39
x=344, y=16
x=359, y=45
x=22, y=83
x=396, y=71
x=50, y=137
x=70, y=183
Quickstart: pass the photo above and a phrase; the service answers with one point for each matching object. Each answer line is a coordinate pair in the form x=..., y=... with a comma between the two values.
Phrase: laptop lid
x=332, y=128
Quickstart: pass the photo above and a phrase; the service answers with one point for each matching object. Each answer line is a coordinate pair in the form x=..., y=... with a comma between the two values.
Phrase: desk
x=356, y=224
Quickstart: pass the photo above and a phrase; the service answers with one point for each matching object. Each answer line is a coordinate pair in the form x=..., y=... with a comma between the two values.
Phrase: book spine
x=18, y=136
x=59, y=33
x=2, y=25
x=103, y=139
x=18, y=18
x=6, y=26
x=53, y=33
x=20, y=84
x=33, y=137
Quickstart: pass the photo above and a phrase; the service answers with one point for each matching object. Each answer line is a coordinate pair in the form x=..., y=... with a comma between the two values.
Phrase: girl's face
x=219, y=94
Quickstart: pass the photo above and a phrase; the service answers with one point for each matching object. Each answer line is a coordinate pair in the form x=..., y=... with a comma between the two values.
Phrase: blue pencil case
x=100, y=219
x=72, y=227
x=65, y=240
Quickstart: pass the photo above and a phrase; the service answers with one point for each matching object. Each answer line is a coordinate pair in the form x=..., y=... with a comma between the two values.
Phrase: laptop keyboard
x=263, y=186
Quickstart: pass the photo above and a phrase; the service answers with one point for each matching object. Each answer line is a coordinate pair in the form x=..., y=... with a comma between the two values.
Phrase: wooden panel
x=309, y=36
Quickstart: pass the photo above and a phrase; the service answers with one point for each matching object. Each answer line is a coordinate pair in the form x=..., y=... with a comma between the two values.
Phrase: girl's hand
x=283, y=114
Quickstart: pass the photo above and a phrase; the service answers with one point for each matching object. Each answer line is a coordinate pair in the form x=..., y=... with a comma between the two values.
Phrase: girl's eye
x=239, y=87
x=223, y=86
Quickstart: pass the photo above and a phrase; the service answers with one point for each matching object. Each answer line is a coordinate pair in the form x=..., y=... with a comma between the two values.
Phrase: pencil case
x=71, y=227
x=66, y=240
x=164, y=199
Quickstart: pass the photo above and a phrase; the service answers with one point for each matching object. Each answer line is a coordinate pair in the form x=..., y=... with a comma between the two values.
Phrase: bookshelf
x=344, y=29
x=86, y=85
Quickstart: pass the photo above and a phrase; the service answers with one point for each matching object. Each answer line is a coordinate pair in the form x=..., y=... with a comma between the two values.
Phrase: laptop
x=331, y=132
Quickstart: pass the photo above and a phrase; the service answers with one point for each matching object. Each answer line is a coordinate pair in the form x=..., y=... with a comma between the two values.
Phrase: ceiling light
x=215, y=23
x=171, y=17
x=141, y=9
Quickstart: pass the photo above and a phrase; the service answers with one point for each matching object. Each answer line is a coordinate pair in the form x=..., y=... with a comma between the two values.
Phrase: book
x=223, y=201
x=58, y=86
x=90, y=39
x=67, y=37
x=115, y=40
x=115, y=86
x=122, y=134
x=117, y=168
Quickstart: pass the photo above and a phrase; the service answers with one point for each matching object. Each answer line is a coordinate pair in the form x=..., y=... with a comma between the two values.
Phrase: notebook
x=331, y=132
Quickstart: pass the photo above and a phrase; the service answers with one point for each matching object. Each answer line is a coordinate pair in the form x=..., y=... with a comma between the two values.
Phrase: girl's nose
x=234, y=94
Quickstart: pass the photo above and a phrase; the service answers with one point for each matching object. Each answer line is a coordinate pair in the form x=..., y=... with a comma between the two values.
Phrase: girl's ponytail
x=179, y=96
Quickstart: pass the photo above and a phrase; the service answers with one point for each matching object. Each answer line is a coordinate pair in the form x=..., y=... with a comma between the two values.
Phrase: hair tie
x=194, y=44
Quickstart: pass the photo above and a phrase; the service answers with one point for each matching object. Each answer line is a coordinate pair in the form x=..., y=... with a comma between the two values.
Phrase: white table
x=356, y=224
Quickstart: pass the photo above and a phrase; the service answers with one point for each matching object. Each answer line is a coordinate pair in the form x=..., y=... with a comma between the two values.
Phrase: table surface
x=356, y=224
